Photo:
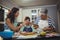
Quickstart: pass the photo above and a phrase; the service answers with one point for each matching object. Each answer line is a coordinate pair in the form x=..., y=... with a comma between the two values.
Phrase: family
x=42, y=23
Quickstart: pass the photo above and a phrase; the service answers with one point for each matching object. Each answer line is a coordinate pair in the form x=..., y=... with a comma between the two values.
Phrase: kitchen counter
x=37, y=38
x=18, y=36
x=34, y=38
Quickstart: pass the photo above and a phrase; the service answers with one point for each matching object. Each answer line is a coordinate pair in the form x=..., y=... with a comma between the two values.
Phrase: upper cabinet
x=1, y=14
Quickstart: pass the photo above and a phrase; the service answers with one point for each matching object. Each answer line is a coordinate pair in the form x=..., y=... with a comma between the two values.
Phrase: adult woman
x=11, y=19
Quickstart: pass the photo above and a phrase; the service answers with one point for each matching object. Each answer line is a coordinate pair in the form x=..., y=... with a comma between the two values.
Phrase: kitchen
x=32, y=9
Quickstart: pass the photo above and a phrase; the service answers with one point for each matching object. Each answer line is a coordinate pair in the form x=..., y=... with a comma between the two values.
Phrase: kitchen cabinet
x=1, y=19
x=59, y=21
x=58, y=12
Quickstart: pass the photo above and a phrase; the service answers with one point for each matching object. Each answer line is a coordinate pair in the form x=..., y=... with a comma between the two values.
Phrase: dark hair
x=11, y=15
x=45, y=11
x=27, y=18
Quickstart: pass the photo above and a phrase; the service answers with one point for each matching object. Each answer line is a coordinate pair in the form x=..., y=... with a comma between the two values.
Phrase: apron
x=27, y=29
x=42, y=24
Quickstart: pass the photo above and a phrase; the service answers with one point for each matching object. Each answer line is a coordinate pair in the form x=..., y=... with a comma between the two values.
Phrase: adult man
x=44, y=21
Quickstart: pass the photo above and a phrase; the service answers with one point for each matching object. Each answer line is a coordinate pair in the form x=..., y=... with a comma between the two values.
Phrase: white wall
x=20, y=17
x=26, y=12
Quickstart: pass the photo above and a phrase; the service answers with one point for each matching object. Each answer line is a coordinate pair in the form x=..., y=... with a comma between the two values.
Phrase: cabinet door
x=1, y=15
x=1, y=27
x=59, y=22
x=1, y=20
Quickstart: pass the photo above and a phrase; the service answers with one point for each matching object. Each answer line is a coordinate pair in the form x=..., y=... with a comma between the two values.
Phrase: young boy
x=27, y=28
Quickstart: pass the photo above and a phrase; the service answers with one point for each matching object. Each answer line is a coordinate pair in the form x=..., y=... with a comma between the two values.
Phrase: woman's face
x=16, y=14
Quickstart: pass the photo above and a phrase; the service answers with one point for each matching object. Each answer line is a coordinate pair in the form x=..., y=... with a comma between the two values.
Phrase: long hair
x=11, y=15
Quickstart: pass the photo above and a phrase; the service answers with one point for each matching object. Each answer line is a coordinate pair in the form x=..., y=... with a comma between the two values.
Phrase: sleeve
x=21, y=30
x=51, y=22
x=36, y=21
x=33, y=29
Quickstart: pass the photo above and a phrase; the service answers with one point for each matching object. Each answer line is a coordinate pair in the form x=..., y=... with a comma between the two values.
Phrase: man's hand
x=47, y=29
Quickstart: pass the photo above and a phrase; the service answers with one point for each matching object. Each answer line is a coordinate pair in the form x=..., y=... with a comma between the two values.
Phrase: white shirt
x=42, y=24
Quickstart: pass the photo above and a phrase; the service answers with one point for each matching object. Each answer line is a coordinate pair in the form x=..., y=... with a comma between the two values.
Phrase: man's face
x=44, y=17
